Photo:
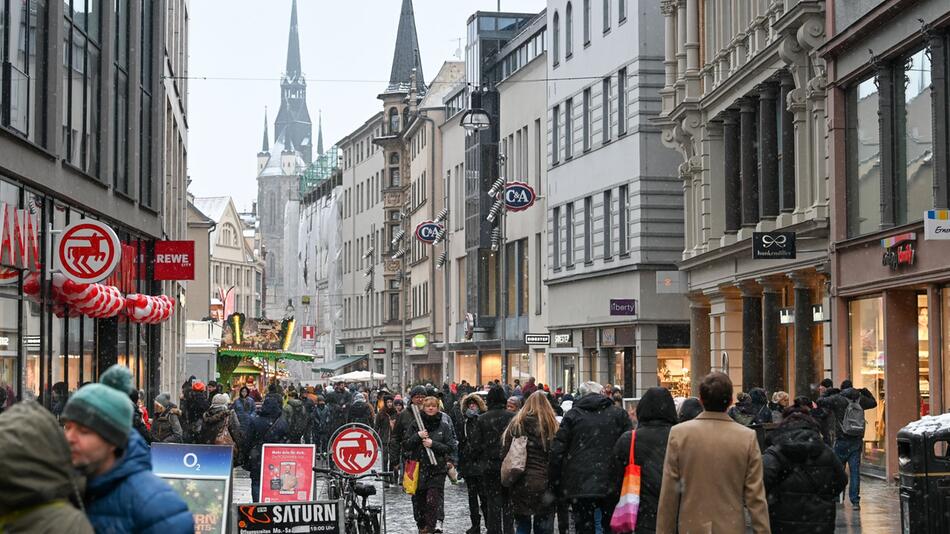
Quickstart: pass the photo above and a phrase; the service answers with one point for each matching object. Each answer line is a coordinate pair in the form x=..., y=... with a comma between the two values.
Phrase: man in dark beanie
x=122, y=493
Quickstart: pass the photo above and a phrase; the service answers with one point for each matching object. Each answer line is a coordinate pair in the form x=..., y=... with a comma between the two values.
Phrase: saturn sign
x=519, y=196
x=426, y=231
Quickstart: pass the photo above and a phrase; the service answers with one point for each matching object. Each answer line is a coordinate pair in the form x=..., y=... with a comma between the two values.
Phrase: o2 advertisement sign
x=427, y=230
x=519, y=196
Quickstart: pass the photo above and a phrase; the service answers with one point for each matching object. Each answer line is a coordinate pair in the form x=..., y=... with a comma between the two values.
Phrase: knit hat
x=359, y=397
x=104, y=407
x=164, y=399
x=198, y=386
x=221, y=399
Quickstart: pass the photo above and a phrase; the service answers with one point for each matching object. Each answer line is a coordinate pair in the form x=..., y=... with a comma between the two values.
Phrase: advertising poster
x=286, y=473
x=201, y=474
x=325, y=517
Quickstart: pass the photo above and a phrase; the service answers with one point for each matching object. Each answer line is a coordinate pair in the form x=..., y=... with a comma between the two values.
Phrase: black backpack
x=297, y=423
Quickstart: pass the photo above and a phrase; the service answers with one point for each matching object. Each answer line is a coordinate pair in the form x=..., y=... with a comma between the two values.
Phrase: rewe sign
x=174, y=260
x=519, y=196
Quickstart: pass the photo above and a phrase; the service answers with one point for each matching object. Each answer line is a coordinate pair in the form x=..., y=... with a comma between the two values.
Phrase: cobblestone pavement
x=879, y=514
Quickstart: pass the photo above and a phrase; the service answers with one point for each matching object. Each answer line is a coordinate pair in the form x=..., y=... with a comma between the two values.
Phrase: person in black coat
x=848, y=446
x=359, y=411
x=267, y=426
x=690, y=408
x=580, y=467
x=656, y=414
x=802, y=477
x=436, y=435
x=472, y=406
x=485, y=449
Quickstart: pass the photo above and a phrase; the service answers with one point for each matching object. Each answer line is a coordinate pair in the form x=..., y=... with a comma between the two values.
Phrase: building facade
x=616, y=309
x=111, y=146
x=744, y=105
x=887, y=66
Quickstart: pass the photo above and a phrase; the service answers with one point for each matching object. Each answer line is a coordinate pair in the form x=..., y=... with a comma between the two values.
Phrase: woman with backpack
x=802, y=477
x=166, y=426
x=532, y=503
x=220, y=425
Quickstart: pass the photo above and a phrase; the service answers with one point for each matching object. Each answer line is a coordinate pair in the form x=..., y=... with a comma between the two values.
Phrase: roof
x=293, y=44
x=443, y=84
x=339, y=363
x=273, y=166
x=212, y=207
x=406, y=55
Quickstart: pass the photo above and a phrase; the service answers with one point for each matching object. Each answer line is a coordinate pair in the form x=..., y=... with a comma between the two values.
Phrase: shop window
x=866, y=333
x=520, y=369
x=9, y=347
x=923, y=354
x=945, y=337
x=491, y=367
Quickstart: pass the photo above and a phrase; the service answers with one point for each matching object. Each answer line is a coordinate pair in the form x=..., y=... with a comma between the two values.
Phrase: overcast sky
x=339, y=40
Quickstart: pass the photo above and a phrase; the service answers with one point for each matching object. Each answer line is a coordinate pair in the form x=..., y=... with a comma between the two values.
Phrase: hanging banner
x=174, y=260
x=286, y=473
x=201, y=475
x=325, y=517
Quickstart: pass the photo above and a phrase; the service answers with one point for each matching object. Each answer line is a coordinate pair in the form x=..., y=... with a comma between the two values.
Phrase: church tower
x=293, y=119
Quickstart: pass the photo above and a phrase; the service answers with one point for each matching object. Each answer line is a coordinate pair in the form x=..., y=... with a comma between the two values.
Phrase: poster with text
x=201, y=475
x=286, y=473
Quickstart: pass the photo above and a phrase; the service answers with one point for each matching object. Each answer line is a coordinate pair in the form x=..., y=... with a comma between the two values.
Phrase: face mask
x=472, y=412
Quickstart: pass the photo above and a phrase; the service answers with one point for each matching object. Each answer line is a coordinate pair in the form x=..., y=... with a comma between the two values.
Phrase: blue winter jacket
x=130, y=498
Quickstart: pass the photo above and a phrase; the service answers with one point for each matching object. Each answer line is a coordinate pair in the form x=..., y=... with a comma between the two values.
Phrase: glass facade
x=864, y=213
x=866, y=333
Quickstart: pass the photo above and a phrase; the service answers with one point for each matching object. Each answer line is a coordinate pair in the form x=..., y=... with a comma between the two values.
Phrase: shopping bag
x=410, y=477
x=625, y=513
x=512, y=467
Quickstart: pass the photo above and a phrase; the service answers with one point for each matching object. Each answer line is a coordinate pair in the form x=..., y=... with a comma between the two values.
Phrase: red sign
x=174, y=260
x=355, y=449
x=19, y=244
x=308, y=332
x=286, y=473
x=88, y=252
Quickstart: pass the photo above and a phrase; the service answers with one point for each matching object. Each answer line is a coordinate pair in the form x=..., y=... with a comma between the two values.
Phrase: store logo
x=519, y=196
x=427, y=231
x=88, y=252
x=900, y=250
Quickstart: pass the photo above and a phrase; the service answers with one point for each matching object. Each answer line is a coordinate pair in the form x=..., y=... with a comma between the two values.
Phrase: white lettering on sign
x=304, y=513
x=179, y=259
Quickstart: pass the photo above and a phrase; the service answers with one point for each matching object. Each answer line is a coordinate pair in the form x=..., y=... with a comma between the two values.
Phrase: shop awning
x=246, y=370
x=266, y=354
x=335, y=365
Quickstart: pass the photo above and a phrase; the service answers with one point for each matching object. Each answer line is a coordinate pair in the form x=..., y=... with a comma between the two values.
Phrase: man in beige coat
x=713, y=468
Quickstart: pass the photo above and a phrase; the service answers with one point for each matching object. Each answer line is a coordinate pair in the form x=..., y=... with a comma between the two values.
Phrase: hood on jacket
x=134, y=459
x=798, y=436
x=271, y=407
x=656, y=405
x=851, y=394
x=690, y=409
x=497, y=398
x=594, y=402
x=473, y=397
x=758, y=396
x=216, y=414
x=35, y=466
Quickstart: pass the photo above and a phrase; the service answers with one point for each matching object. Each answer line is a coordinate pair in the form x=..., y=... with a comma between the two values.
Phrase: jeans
x=586, y=515
x=848, y=450
x=543, y=524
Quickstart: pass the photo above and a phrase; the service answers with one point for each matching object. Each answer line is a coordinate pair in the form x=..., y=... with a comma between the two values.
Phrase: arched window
x=556, y=45
x=393, y=121
x=586, y=22
x=228, y=236
x=568, y=31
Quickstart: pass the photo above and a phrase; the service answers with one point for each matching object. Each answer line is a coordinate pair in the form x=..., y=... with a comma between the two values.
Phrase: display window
x=672, y=371
x=466, y=368
x=491, y=367
x=923, y=354
x=866, y=333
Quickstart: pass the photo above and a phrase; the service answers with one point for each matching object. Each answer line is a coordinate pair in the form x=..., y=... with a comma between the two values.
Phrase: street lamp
x=370, y=287
x=475, y=119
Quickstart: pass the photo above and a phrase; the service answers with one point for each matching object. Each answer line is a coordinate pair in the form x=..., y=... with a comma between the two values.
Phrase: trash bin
x=923, y=450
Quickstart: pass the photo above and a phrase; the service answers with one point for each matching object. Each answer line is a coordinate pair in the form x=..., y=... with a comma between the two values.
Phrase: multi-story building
x=199, y=291
x=744, y=105
x=888, y=150
x=95, y=130
x=235, y=270
x=614, y=203
x=515, y=63
x=279, y=168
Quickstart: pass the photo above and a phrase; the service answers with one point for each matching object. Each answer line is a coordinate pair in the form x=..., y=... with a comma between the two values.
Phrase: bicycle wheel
x=369, y=524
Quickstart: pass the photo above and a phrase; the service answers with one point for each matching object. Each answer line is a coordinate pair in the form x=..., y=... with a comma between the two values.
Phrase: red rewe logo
x=88, y=252
x=355, y=450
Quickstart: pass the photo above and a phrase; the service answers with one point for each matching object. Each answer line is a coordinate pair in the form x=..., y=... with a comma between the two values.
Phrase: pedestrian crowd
x=532, y=459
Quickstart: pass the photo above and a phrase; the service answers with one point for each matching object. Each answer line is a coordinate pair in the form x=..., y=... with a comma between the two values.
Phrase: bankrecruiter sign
x=325, y=517
x=286, y=473
x=201, y=474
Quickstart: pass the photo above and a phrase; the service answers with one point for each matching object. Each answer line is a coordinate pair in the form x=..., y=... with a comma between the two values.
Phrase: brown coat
x=713, y=466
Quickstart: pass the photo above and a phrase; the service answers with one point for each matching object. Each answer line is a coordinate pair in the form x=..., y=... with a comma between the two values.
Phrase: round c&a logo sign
x=427, y=230
x=519, y=196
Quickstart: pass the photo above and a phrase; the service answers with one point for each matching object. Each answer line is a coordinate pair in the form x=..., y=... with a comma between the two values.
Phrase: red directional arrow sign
x=355, y=449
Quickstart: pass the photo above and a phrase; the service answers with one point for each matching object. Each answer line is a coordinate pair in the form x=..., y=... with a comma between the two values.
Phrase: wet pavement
x=879, y=514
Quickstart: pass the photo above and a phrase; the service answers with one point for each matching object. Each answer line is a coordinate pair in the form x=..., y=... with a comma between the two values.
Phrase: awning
x=244, y=369
x=266, y=354
x=335, y=365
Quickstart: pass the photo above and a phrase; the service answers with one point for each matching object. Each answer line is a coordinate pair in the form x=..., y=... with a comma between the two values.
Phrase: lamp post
x=400, y=254
x=475, y=120
x=368, y=291
x=443, y=237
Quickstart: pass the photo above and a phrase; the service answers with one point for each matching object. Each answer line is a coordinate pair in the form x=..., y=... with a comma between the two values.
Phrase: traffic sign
x=355, y=448
x=427, y=230
x=88, y=251
x=519, y=196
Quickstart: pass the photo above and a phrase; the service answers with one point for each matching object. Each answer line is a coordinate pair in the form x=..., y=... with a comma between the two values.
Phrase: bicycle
x=358, y=516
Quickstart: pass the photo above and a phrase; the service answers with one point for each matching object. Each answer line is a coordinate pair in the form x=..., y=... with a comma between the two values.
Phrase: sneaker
x=856, y=506
x=438, y=528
